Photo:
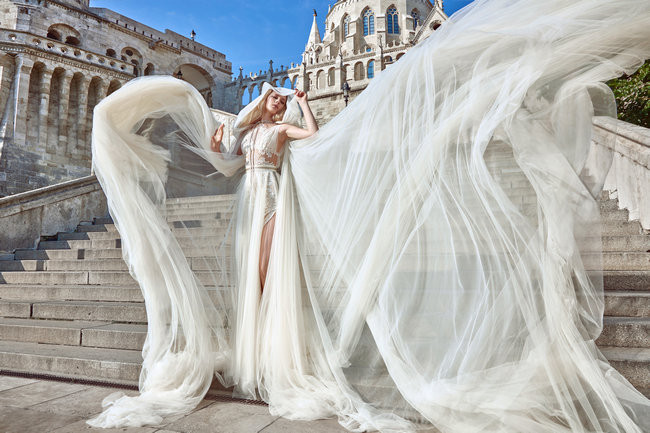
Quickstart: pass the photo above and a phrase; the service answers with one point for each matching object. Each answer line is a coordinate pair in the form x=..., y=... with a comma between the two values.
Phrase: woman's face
x=275, y=103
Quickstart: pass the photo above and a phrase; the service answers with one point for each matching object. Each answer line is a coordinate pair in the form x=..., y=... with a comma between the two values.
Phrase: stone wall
x=25, y=217
x=58, y=59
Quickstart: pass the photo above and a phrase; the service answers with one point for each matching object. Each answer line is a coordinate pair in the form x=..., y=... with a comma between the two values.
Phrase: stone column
x=44, y=106
x=84, y=84
x=103, y=90
x=302, y=78
x=64, y=101
x=23, y=71
x=339, y=73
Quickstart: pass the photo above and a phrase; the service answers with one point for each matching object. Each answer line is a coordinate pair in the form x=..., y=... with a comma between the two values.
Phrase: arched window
x=392, y=21
x=371, y=69
x=415, y=14
x=346, y=26
x=358, y=71
x=368, y=22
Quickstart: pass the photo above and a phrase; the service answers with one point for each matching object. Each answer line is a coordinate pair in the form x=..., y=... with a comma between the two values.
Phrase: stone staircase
x=71, y=309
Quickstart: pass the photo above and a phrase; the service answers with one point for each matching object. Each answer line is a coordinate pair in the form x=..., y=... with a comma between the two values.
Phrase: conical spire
x=314, y=35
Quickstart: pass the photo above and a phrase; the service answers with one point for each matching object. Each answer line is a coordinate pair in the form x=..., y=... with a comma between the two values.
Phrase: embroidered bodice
x=260, y=147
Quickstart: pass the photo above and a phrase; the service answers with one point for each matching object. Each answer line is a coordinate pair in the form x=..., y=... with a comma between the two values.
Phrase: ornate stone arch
x=359, y=73
x=64, y=33
x=113, y=86
x=197, y=77
x=132, y=56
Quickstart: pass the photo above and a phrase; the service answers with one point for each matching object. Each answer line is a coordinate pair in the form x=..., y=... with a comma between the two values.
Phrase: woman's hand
x=301, y=97
x=215, y=142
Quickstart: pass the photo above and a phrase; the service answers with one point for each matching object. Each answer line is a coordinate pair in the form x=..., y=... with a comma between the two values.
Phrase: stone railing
x=629, y=176
x=27, y=216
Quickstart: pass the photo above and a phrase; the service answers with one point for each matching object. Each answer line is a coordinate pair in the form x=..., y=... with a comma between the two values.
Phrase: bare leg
x=265, y=249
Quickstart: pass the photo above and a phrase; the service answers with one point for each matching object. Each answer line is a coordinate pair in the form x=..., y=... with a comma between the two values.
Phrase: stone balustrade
x=27, y=216
x=123, y=70
x=628, y=179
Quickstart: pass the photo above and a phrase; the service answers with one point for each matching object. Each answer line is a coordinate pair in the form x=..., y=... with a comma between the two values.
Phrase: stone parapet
x=629, y=176
x=25, y=217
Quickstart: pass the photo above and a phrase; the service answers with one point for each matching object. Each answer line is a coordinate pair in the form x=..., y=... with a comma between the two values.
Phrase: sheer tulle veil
x=435, y=256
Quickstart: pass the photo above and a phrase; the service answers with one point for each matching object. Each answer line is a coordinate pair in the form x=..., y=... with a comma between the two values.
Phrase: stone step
x=102, y=220
x=631, y=362
x=35, y=293
x=608, y=205
x=190, y=214
x=97, y=254
x=627, y=304
x=628, y=261
x=626, y=280
x=76, y=254
x=114, y=365
x=627, y=243
x=174, y=225
x=45, y=331
x=199, y=207
x=201, y=199
x=615, y=215
x=618, y=228
x=114, y=235
x=123, y=312
x=625, y=332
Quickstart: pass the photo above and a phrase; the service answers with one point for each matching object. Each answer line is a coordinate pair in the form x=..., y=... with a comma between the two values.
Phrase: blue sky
x=249, y=33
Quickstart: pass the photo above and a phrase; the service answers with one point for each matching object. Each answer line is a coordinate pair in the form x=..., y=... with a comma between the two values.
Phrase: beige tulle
x=428, y=261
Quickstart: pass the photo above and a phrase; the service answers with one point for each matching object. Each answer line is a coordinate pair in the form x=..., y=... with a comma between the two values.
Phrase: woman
x=263, y=152
x=407, y=277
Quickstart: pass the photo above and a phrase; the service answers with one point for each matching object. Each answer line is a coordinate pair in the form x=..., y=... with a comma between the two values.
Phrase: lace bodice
x=260, y=147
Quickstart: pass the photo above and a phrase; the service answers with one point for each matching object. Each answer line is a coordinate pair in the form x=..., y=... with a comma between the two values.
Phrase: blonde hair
x=256, y=113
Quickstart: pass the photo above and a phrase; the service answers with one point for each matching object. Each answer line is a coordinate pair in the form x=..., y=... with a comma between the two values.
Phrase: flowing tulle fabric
x=435, y=254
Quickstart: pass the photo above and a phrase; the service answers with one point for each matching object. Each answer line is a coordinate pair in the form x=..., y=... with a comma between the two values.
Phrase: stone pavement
x=39, y=406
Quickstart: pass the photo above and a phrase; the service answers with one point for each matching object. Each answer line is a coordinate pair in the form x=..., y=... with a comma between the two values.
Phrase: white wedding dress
x=407, y=286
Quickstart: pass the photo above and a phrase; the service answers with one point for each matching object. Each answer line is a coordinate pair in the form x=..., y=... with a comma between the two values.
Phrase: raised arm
x=215, y=142
x=295, y=133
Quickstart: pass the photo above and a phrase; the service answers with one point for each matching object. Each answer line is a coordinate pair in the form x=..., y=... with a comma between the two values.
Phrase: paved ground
x=38, y=406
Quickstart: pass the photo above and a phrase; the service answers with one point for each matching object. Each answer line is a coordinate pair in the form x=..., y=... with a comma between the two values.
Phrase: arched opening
x=197, y=77
x=256, y=91
x=245, y=96
x=331, y=77
x=94, y=96
x=54, y=109
x=358, y=71
x=399, y=56
x=415, y=14
x=111, y=53
x=73, y=120
x=368, y=22
x=149, y=70
x=72, y=40
x=54, y=34
x=392, y=20
x=65, y=33
x=132, y=56
x=371, y=69
x=294, y=80
x=435, y=25
x=33, y=102
x=345, y=27
x=320, y=79
x=113, y=86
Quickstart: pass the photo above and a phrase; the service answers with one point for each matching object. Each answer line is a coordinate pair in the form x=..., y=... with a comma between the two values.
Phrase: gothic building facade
x=361, y=39
x=58, y=59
